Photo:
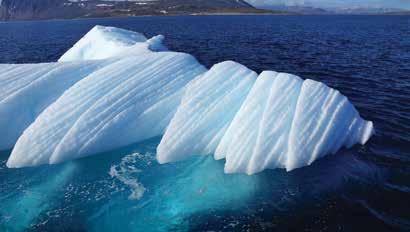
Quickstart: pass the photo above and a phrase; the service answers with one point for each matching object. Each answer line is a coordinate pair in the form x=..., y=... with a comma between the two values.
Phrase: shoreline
x=198, y=14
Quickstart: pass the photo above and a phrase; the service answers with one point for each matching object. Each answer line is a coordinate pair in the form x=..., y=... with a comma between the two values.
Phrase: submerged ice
x=114, y=88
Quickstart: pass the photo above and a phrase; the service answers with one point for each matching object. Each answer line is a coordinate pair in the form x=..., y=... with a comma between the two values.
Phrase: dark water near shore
x=366, y=188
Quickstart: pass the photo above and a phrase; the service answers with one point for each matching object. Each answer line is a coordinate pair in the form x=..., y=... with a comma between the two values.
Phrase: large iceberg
x=113, y=89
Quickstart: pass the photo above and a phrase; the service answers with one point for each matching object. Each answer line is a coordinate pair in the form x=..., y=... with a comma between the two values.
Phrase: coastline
x=200, y=14
x=154, y=15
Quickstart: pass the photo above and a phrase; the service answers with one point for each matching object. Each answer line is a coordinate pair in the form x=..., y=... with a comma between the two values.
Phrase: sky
x=404, y=4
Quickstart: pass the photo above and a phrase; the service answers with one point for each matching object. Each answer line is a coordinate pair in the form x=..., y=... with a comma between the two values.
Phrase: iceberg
x=125, y=102
x=206, y=110
x=114, y=88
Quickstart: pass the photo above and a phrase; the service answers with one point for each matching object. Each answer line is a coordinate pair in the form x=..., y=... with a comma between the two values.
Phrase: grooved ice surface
x=206, y=110
x=27, y=89
x=125, y=102
x=324, y=121
x=284, y=122
x=258, y=136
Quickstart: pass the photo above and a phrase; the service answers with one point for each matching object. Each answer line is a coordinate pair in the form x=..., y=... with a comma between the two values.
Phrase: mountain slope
x=295, y=9
x=51, y=9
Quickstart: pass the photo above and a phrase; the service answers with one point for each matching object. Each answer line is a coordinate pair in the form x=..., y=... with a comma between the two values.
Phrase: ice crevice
x=116, y=87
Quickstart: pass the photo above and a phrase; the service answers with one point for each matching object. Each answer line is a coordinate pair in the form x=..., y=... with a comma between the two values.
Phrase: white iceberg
x=206, y=110
x=125, y=102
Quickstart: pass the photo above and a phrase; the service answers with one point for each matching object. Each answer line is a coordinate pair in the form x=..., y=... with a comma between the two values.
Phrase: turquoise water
x=124, y=189
x=127, y=190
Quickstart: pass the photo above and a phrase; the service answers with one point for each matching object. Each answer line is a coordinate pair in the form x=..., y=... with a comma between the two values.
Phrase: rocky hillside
x=60, y=9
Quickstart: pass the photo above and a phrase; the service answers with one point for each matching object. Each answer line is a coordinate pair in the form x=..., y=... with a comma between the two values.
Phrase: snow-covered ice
x=114, y=88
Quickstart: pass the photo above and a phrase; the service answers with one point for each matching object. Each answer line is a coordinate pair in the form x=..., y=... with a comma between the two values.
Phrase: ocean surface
x=366, y=188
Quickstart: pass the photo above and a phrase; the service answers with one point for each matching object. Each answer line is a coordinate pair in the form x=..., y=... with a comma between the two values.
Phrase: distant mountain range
x=57, y=9
x=65, y=9
x=331, y=11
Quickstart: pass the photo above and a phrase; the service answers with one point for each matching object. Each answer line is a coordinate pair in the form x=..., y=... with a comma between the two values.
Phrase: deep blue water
x=366, y=188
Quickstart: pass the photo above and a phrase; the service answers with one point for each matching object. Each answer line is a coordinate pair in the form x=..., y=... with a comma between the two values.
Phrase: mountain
x=61, y=9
